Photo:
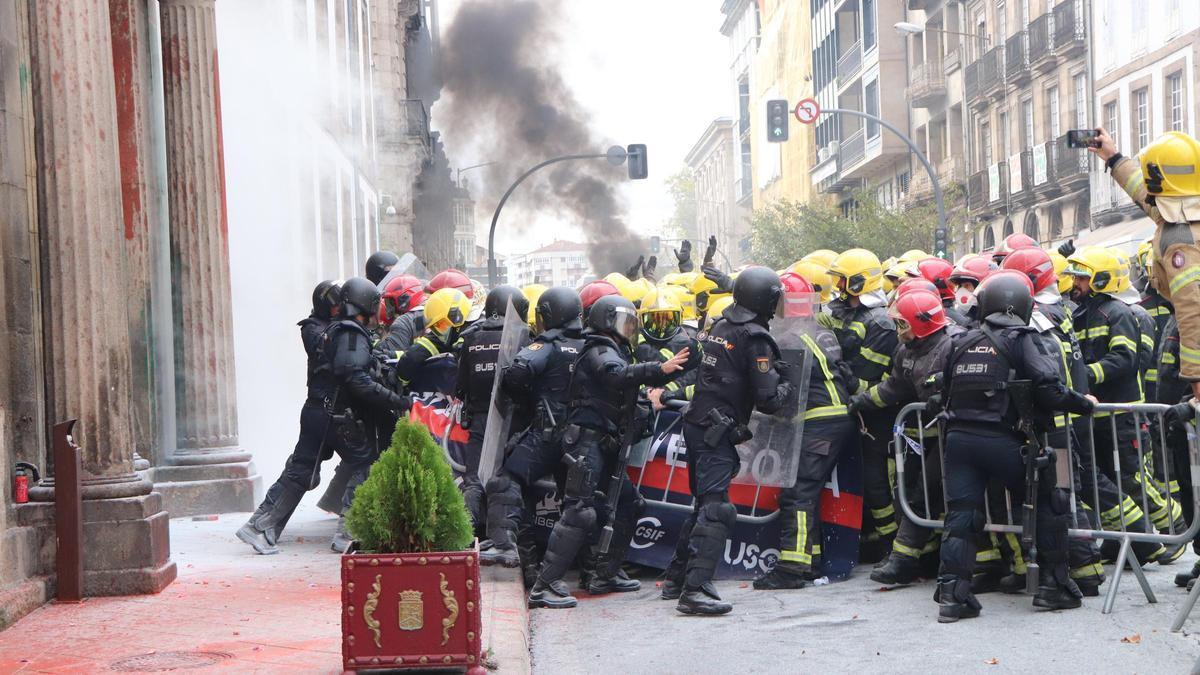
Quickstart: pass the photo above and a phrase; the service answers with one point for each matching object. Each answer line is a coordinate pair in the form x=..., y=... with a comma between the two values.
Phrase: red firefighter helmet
x=595, y=290
x=798, y=297
x=922, y=310
x=1034, y=263
x=1013, y=242
x=402, y=294
x=937, y=271
x=973, y=268
x=910, y=285
x=451, y=278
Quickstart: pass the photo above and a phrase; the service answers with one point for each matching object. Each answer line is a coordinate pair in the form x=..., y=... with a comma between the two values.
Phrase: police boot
x=341, y=539
x=987, y=579
x=504, y=509
x=897, y=570
x=608, y=576
x=784, y=577
x=1183, y=578
x=955, y=601
x=503, y=551
x=1173, y=552
x=1056, y=589
x=472, y=492
x=673, y=576
x=331, y=501
x=703, y=601
x=263, y=529
x=551, y=595
x=1012, y=583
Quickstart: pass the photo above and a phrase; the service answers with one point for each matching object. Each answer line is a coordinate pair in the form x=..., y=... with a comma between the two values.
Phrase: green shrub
x=409, y=502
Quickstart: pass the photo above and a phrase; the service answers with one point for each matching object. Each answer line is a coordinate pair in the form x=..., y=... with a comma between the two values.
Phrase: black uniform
x=868, y=340
x=400, y=335
x=537, y=380
x=739, y=372
x=982, y=443
x=477, y=350
x=602, y=395
x=650, y=350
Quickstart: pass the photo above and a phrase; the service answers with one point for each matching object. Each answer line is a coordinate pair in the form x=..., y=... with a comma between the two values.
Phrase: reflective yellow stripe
x=863, y=385
x=874, y=392
x=1134, y=183
x=1019, y=566
x=1098, y=331
x=816, y=549
x=666, y=353
x=875, y=357
x=909, y=551
x=798, y=554
x=1097, y=372
x=1189, y=355
x=830, y=387
x=1121, y=340
x=825, y=411
x=427, y=344
x=859, y=328
x=934, y=544
x=887, y=528
x=1083, y=571
x=987, y=555
x=885, y=512
x=671, y=386
x=913, y=432
x=1167, y=358
x=1152, y=375
x=1148, y=341
x=1189, y=275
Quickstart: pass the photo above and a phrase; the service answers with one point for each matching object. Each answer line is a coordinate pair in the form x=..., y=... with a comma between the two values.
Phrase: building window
x=868, y=14
x=1080, y=87
x=1001, y=22
x=1175, y=102
x=1027, y=123
x=1141, y=118
x=1053, y=125
x=1004, y=138
x=872, y=108
x=985, y=145
x=902, y=180
x=1111, y=121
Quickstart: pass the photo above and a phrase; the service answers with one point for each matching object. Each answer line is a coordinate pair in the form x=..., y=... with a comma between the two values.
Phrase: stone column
x=207, y=453
x=88, y=373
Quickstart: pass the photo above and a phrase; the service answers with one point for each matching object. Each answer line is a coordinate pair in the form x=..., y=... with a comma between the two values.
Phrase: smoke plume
x=502, y=85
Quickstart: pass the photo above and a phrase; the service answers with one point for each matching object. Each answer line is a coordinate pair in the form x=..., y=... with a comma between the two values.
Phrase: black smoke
x=503, y=85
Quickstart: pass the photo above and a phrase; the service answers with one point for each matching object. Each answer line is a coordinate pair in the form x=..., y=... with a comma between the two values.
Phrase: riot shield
x=772, y=457
x=499, y=418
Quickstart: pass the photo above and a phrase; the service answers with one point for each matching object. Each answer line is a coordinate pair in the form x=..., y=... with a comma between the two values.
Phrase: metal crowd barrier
x=903, y=444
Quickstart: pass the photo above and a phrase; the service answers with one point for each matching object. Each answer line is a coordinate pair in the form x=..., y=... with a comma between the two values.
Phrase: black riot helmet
x=496, y=304
x=326, y=298
x=360, y=296
x=615, y=316
x=559, y=307
x=1005, y=298
x=758, y=290
x=379, y=264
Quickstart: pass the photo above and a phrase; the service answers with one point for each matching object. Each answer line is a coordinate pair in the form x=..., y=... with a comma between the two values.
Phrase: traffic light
x=655, y=245
x=941, y=245
x=777, y=120
x=638, y=168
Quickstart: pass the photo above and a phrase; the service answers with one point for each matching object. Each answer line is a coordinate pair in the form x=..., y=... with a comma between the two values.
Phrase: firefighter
x=603, y=404
x=966, y=276
x=867, y=336
x=661, y=318
x=477, y=351
x=740, y=371
x=1164, y=180
x=938, y=272
x=982, y=442
x=302, y=471
x=1109, y=337
x=828, y=430
x=1012, y=243
x=921, y=326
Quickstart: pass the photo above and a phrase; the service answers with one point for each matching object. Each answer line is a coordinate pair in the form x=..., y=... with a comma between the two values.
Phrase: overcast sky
x=650, y=71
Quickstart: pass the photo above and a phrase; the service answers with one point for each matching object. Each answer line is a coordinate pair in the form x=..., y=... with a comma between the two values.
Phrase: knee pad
x=719, y=512
x=579, y=517
x=964, y=524
x=500, y=484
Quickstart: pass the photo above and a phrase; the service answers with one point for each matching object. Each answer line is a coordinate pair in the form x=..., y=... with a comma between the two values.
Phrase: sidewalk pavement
x=234, y=611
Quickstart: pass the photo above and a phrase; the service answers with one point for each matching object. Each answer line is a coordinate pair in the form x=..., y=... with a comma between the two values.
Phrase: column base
x=126, y=544
x=24, y=585
x=204, y=482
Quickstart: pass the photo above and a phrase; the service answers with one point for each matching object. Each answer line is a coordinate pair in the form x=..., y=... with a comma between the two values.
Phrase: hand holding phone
x=1083, y=138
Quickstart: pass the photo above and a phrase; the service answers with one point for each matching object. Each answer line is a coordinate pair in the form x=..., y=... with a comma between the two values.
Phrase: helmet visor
x=797, y=304
x=661, y=324
x=625, y=324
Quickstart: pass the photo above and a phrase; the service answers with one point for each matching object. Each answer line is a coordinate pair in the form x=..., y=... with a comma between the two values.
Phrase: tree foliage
x=409, y=502
x=782, y=232
x=682, y=223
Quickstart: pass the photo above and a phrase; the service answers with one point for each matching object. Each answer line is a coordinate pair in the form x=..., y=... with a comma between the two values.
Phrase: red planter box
x=413, y=610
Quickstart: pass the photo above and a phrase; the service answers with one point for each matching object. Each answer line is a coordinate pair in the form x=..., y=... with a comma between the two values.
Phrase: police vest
x=723, y=383
x=978, y=375
x=477, y=355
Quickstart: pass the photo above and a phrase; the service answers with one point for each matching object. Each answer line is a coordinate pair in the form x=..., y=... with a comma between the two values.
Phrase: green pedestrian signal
x=777, y=120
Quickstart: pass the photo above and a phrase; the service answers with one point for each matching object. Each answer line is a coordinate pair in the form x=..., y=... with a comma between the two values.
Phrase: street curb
x=505, y=620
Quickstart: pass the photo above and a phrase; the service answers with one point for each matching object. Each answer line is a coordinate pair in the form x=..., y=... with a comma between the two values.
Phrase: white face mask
x=964, y=299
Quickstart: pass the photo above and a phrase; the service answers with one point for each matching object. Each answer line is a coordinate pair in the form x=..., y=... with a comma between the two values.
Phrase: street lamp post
x=459, y=172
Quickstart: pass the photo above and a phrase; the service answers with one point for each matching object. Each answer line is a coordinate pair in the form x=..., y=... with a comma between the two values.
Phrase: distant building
x=463, y=216
x=561, y=263
x=719, y=212
x=741, y=26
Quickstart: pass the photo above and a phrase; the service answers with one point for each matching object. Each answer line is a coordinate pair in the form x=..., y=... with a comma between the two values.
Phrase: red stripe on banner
x=844, y=510
x=657, y=472
x=435, y=419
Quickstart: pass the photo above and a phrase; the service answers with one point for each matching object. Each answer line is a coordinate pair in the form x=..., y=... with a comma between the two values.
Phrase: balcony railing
x=1000, y=194
x=971, y=82
x=1068, y=162
x=1042, y=54
x=1070, y=29
x=927, y=84
x=1016, y=58
x=853, y=149
x=849, y=63
x=413, y=124
x=1027, y=172
x=991, y=72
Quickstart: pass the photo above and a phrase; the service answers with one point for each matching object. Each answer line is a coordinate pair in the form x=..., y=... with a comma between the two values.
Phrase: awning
x=1125, y=236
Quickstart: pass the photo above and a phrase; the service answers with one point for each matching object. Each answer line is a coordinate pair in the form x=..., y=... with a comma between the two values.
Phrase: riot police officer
x=477, y=350
x=379, y=264
x=302, y=471
x=537, y=381
x=740, y=371
x=603, y=406
x=983, y=442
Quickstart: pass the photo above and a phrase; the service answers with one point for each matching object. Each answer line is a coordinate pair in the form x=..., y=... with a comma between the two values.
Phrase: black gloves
x=636, y=271
x=722, y=280
x=711, y=250
x=684, y=255
x=1067, y=249
x=933, y=406
x=651, y=266
x=860, y=402
x=1180, y=414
